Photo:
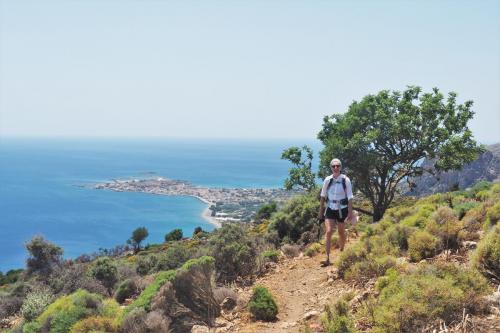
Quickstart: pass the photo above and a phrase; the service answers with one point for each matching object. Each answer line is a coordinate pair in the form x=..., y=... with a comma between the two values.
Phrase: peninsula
x=225, y=204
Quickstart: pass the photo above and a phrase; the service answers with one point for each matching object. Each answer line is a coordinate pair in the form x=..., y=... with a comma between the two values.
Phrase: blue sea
x=44, y=188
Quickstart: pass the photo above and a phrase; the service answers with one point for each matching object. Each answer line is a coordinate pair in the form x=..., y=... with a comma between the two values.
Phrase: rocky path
x=301, y=288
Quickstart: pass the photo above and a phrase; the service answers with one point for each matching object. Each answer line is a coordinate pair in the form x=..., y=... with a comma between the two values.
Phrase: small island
x=225, y=204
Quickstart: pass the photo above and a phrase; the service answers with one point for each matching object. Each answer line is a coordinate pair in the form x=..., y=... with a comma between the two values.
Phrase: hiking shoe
x=325, y=263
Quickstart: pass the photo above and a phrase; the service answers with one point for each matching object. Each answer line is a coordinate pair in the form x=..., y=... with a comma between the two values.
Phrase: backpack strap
x=344, y=186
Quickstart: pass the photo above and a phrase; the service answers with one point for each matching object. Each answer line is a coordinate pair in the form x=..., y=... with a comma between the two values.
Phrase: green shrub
x=336, y=318
x=371, y=267
x=34, y=304
x=104, y=270
x=144, y=299
x=349, y=257
x=408, y=302
x=32, y=327
x=481, y=185
x=174, y=235
x=421, y=245
x=234, y=252
x=95, y=324
x=297, y=216
x=486, y=257
x=146, y=264
x=483, y=195
x=445, y=225
x=419, y=219
x=67, y=310
x=398, y=236
x=271, y=255
x=265, y=211
x=313, y=249
x=262, y=305
x=175, y=256
x=461, y=209
x=493, y=215
x=125, y=290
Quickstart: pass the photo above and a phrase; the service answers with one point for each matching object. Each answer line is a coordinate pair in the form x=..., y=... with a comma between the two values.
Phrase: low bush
x=336, y=318
x=271, y=255
x=144, y=299
x=234, y=252
x=297, y=216
x=9, y=305
x=461, y=209
x=486, y=258
x=290, y=251
x=125, y=290
x=135, y=321
x=445, y=225
x=408, y=302
x=493, y=215
x=95, y=324
x=32, y=327
x=420, y=217
x=398, y=236
x=349, y=257
x=34, y=304
x=67, y=310
x=262, y=305
x=221, y=293
x=421, y=245
x=373, y=266
x=104, y=270
x=313, y=249
x=146, y=264
x=174, y=257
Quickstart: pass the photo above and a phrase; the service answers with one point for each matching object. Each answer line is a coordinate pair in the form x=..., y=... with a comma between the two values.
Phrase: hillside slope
x=485, y=167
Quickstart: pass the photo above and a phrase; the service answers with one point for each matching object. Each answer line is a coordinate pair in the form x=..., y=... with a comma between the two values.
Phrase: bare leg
x=328, y=237
x=342, y=236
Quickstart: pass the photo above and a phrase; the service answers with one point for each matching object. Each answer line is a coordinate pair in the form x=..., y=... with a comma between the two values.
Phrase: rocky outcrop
x=485, y=167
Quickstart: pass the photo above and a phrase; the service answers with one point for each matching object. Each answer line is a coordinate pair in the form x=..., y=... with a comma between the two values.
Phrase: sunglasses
x=335, y=166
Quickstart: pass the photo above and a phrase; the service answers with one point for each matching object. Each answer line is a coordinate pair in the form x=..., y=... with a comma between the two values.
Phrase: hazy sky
x=239, y=69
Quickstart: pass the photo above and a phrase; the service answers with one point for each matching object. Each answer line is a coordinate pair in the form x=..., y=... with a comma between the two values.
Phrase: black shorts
x=331, y=214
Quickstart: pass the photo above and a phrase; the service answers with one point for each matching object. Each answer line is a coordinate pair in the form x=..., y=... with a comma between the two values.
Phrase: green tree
x=173, y=235
x=383, y=139
x=138, y=236
x=104, y=270
x=265, y=211
x=43, y=255
x=300, y=176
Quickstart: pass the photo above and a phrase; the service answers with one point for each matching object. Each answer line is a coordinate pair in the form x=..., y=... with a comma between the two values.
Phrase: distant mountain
x=485, y=167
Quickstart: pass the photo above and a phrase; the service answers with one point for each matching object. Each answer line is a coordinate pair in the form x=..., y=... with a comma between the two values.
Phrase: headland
x=224, y=204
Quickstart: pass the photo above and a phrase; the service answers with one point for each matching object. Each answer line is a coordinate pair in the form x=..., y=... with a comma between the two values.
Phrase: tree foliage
x=43, y=255
x=138, y=235
x=300, y=176
x=174, y=235
x=383, y=139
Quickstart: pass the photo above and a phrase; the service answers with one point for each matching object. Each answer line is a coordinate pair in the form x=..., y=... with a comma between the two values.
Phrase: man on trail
x=337, y=193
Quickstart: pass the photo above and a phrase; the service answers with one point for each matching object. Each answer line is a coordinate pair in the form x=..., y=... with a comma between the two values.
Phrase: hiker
x=337, y=193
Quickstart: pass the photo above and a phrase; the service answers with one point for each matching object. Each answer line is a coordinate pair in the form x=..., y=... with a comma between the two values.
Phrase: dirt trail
x=300, y=286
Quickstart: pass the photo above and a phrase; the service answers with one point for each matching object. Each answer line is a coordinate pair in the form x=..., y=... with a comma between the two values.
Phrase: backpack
x=342, y=201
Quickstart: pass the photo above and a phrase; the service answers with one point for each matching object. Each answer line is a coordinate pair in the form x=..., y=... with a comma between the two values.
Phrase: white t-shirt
x=336, y=191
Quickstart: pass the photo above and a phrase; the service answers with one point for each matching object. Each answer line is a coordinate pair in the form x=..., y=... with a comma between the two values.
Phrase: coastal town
x=224, y=204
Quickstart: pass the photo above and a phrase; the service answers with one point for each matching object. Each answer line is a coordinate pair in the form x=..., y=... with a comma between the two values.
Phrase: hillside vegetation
x=427, y=262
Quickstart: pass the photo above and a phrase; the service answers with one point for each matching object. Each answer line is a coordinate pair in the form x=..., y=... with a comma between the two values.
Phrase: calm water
x=39, y=192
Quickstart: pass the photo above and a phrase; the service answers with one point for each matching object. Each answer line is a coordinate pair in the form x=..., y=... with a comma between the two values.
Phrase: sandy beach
x=207, y=213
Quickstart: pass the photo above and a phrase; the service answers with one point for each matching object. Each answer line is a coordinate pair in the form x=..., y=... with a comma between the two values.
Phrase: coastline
x=207, y=213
